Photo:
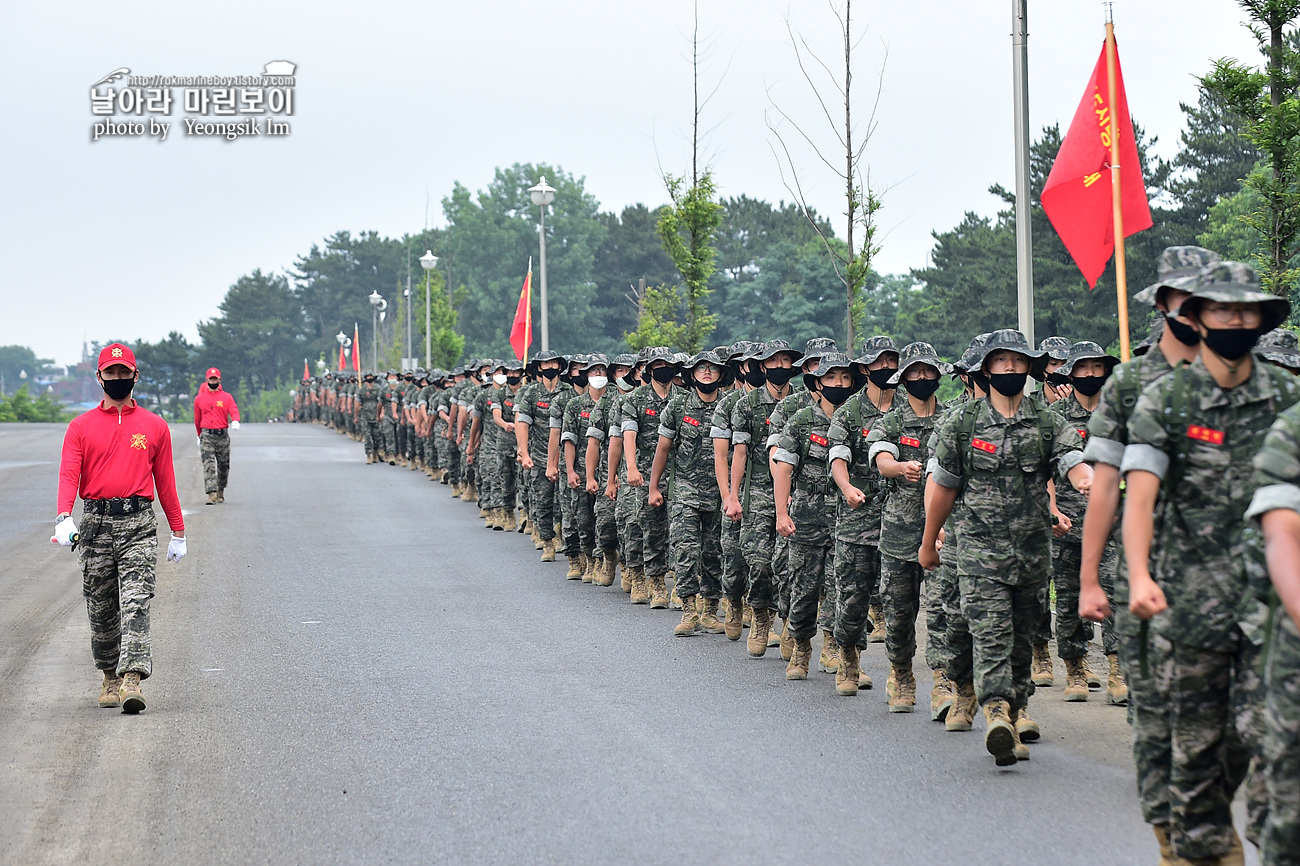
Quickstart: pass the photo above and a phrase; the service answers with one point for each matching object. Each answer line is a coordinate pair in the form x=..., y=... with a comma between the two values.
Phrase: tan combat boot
x=942, y=696
x=773, y=636
x=589, y=570
x=846, y=678
x=501, y=519
x=735, y=624
x=1116, y=688
x=746, y=615
x=864, y=678
x=877, y=617
x=658, y=593
x=370, y=458
x=625, y=579
x=902, y=698
x=548, y=551
x=962, y=715
x=1042, y=674
x=1089, y=675
x=212, y=498
x=1167, y=855
x=640, y=587
x=709, y=621
x=110, y=696
x=221, y=496
x=1000, y=738
x=606, y=570
x=132, y=697
x=829, y=660
x=506, y=517
x=674, y=601
x=787, y=642
x=522, y=525
x=690, y=618
x=758, y=631
x=800, y=658
x=1021, y=750
x=1076, y=683
x=1026, y=727
x=577, y=564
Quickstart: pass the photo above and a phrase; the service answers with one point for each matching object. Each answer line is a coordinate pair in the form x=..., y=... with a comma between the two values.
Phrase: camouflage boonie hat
x=968, y=357
x=626, y=359
x=817, y=347
x=919, y=353
x=709, y=355
x=1057, y=348
x=1177, y=269
x=1153, y=336
x=680, y=358
x=1087, y=350
x=534, y=363
x=774, y=347
x=594, y=359
x=513, y=366
x=1005, y=339
x=1281, y=347
x=1235, y=283
x=741, y=350
x=874, y=347
x=651, y=354
x=831, y=361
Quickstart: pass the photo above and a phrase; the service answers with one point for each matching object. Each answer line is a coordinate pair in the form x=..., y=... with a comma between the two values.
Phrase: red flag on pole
x=521, y=332
x=305, y=374
x=1077, y=196
x=342, y=362
x=356, y=348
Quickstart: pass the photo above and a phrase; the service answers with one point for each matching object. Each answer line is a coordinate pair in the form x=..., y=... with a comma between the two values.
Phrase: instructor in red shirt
x=215, y=415
x=115, y=456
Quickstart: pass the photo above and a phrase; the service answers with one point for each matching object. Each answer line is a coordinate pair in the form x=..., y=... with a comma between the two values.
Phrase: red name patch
x=543, y=405
x=1205, y=434
x=818, y=440
x=652, y=413
x=984, y=446
x=586, y=414
x=689, y=420
x=511, y=405
x=908, y=440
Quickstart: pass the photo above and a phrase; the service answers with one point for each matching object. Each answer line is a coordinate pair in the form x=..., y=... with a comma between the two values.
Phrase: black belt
x=129, y=505
x=216, y=431
x=820, y=488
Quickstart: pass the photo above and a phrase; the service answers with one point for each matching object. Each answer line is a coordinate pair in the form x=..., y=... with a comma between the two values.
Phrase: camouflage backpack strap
x=1178, y=413
x=966, y=422
x=1046, y=431
x=1128, y=387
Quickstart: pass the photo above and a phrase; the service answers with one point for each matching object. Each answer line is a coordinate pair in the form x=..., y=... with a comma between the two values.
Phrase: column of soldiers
x=803, y=493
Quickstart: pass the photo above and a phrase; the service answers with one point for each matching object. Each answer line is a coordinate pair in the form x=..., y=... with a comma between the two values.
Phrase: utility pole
x=1024, y=240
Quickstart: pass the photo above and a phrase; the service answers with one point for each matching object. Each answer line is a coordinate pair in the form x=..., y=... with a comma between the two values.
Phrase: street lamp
x=344, y=342
x=428, y=261
x=543, y=194
x=377, y=303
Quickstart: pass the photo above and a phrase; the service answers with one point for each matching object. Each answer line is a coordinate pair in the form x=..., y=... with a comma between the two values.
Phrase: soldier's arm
x=570, y=457
x=591, y=458
x=614, y=455
x=523, y=424
x=1143, y=467
x=785, y=460
x=739, y=456
x=629, y=448
x=499, y=420
x=721, y=471
x=841, y=457
x=941, y=489
x=657, y=469
x=553, y=455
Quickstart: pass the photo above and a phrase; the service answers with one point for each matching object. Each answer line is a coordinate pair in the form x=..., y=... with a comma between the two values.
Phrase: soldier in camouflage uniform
x=1276, y=504
x=685, y=451
x=502, y=404
x=574, y=382
x=899, y=447
x=998, y=455
x=390, y=409
x=734, y=571
x=596, y=471
x=483, y=440
x=1281, y=347
x=532, y=433
x=573, y=434
x=444, y=433
x=1052, y=388
x=627, y=374
x=1191, y=437
x=805, y=509
x=643, y=410
x=369, y=396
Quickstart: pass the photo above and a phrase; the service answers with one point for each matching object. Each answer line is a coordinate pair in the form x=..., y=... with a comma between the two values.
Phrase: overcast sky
x=133, y=238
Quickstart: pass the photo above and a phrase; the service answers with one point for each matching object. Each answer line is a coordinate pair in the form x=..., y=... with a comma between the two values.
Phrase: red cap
x=116, y=353
x=213, y=371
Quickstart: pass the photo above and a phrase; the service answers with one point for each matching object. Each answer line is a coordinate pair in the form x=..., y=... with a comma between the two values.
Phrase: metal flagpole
x=1024, y=240
x=1117, y=201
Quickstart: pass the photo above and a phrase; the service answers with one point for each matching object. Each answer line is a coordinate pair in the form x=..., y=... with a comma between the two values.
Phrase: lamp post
x=376, y=301
x=428, y=261
x=344, y=342
x=543, y=194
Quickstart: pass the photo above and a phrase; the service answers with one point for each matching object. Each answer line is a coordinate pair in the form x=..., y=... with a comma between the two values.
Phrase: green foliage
x=268, y=404
x=20, y=406
x=1228, y=231
x=170, y=371
x=15, y=360
x=658, y=325
x=687, y=228
x=630, y=252
x=260, y=334
x=446, y=344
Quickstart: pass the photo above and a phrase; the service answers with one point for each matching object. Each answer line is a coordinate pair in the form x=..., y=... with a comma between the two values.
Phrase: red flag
x=305, y=374
x=342, y=363
x=521, y=332
x=356, y=348
x=1077, y=195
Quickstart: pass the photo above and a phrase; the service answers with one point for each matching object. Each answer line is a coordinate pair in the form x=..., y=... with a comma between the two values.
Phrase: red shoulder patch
x=652, y=413
x=818, y=440
x=908, y=440
x=988, y=447
x=1205, y=434
x=689, y=420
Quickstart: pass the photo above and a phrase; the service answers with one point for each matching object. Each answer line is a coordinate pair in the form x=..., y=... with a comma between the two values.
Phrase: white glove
x=65, y=533
x=199, y=441
x=234, y=425
x=176, y=549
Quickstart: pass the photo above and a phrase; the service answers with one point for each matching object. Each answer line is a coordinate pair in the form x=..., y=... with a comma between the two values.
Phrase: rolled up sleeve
x=1147, y=458
x=667, y=432
x=781, y=455
x=882, y=448
x=1272, y=497
x=1107, y=451
x=944, y=478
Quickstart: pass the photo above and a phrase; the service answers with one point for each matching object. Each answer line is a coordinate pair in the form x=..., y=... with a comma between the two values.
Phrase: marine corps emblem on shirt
x=138, y=441
x=220, y=404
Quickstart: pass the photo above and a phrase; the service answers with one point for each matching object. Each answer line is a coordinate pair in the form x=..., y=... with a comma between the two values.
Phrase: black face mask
x=214, y=387
x=755, y=378
x=979, y=380
x=1008, y=384
x=118, y=389
x=837, y=394
x=578, y=380
x=1185, y=333
x=779, y=376
x=880, y=378
x=1231, y=344
x=707, y=387
x=922, y=389
x=1088, y=386
x=514, y=380
x=663, y=375
x=1057, y=379
x=549, y=373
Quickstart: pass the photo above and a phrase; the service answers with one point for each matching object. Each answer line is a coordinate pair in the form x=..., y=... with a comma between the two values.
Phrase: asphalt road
x=350, y=669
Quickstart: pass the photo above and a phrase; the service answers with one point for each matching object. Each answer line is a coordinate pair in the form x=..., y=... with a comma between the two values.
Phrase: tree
x=15, y=360
x=20, y=406
x=170, y=370
x=1212, y=163
x=630, y=252
x=686, y=228
x=446, y=344
x=259, y=336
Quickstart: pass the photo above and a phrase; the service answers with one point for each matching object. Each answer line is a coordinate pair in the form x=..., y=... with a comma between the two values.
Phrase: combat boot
x=640, y=588
x=690, y=618
x=443, y=479
x=1116, y=688
x=746, y=615
x=846, y=678
x=773, y=636
x=370, y=458
x=212, y=498
x=607, y=571
x=735, y=624
x=942, y=696
x=877, y=617
x=221, y=497
x=1089, y=676
x=1000, y=738
x=864, y=678
x=658, y=593
x=962, y=715
x=758, y=631
x=1167, y=855
x=508, y=520
x=110, y=696
x=523, y=525
x=132, y=697
x=709, y=621
x=1026, y=728
x=548, y=551
x=577, y=564
x=1076, y=684
x=800, y=658
x=500, y=519
x=787, y=643
x=1042, y=674
x=1021, y=750
x=625, y=579
x=589, y=570
x=902, y=699
x=829, y=660
x=673, y=601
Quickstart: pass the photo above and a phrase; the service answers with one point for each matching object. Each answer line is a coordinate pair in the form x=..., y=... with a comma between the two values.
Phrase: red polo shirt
x=110, y=453
x=213, y=410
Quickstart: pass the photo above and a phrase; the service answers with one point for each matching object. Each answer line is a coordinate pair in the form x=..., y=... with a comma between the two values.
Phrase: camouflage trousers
x=808, y=566
x=900, y=594
x=606, y=524
x=1002, y=618
x=1280, y=839
x=1194, y=713
x=856, y=575
x=757, y=542
x=694, y=535
x=630, y=545
x=936, y=621
x=654, y=534
x=119, y=558
x=1073, y=633
x=373, y=437
x=734, y=570
x=958, y=658
x=388, y=429
x=401, y=438
x=781, y=574
x=214, y=449
x=541, y=501
x=448, y=455
x=502, y=467
x=569, y=519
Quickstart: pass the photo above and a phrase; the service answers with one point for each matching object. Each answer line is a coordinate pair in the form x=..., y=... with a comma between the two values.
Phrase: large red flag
x=1077, y=195
x=521, y=332
x=356, y=348
x=305, y=374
